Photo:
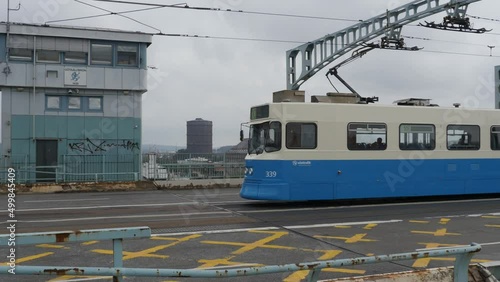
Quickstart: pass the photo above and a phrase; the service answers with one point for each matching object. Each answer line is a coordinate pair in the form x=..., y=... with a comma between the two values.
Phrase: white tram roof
x=291, y=111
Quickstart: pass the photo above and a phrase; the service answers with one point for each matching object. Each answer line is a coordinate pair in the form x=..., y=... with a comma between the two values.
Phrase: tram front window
x=264, y=137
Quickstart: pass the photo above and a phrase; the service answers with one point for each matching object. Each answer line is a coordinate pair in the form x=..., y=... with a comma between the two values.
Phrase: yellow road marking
x=245, y=244
x=444, y=221
x=207, y=263
x=424, y=262
x=149, y=252
x=492, y=225
x=419, y=221
x=246, y=247
x=490, y=216
x=52, y=246
x=349, y=240
x=343, y=226
x=25, y=259
x=370, y=254
x=437, y=233
x=90, y=243
x=370, y=226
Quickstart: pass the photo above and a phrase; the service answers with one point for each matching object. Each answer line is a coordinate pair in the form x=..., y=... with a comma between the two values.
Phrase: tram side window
x=301, y=135
x=463, y=137
x=366, y=136
x=417, y=137
x=495, y=137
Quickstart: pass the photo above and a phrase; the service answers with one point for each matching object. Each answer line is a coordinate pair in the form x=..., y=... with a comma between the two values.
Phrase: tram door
x=46, y=160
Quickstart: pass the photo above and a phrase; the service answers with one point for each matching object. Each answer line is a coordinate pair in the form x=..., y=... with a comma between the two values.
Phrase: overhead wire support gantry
x=317, y=54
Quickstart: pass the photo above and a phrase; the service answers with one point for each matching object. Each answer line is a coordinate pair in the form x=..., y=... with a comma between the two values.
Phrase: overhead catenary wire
x=252, y=39
x=104, y=15
x=229, y=10
x=106, y=10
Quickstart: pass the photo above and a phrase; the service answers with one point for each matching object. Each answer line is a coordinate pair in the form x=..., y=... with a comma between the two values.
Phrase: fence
x=127, y=167
x=463, y=256
x=170, y=166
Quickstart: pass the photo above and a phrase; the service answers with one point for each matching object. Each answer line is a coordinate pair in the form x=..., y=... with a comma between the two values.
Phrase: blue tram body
x=399, y=152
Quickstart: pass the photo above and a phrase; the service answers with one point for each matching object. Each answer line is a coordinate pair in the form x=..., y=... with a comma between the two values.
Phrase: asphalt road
x=215, y=228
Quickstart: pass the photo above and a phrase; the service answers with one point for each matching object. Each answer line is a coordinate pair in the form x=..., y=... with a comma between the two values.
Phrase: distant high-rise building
x=497, y=87
x=199, y=136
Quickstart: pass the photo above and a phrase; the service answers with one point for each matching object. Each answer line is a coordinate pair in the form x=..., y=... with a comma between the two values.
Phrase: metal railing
x=104, y=168
x=180, y=166
x=463, y=256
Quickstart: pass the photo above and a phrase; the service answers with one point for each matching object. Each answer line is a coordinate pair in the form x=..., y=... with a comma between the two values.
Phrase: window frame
x=116, y=54
x=48, y=61
x=491, y=138
x=466, y=147
x=433, y=140
x=47, y=108
x=20, y=58
x=301, y=123
x=80, y=105
x=112, y=60
x=65, y=55
x=357, y=146
x=88, y=109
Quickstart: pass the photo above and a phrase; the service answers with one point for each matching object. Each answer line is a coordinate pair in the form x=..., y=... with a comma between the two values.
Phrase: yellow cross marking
x=370, y=254
x=419, y=221
x=370, y=226
x=67, y=277
x=207, y=263
x=490, y=216
x=492, y=225
x=246, y=247
x=90, y=243
x=328, y=255
x=149, y=252
x=343, y=226
x=438, y=233
x=25, y=259
x=424, y=262
x=444, y=221
x=354, y=239
x=52, y=246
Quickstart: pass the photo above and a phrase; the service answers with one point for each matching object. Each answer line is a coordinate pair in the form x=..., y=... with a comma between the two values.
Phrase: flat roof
x=76, y=32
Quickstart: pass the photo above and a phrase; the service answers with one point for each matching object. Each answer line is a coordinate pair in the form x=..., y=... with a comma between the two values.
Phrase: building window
x=366, y=136
x=101, y=54
x=44, y=56
x=74, y=103
x=463, y=137
x=20, y=54
x=301, y=135
x=495, y=137
x=126, y=55
x=417, y=137
x=95, y=103
x=53, y=102
x=79, y=58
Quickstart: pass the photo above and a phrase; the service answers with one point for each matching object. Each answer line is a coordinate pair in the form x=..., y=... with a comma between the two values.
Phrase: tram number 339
x=271, y=173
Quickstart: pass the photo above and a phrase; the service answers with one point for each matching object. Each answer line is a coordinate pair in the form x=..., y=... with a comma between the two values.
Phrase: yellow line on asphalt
x=419, y=221
x=444, y=221
x=52, y=246
x=370, y=226
x=349, y=240
x=438, y=233
x=89, y=243
x=492, y=225
x=28, y=258
x=149, y=252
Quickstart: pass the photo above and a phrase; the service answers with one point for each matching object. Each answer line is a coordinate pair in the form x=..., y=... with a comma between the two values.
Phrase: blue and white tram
x=321, y=151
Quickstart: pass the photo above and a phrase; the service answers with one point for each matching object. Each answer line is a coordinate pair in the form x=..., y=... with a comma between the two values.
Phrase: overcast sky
x=219, y=80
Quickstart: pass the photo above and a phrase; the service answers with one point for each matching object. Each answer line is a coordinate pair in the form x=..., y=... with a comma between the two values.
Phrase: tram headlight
x=248, y=171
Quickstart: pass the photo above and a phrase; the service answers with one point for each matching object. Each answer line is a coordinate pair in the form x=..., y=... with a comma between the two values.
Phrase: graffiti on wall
x=89, y=146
